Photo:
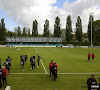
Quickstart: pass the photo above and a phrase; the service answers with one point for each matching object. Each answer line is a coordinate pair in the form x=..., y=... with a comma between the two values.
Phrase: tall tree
x=2, y=30
x=29, y=32
x=35, y=28
x=89, y=29
x=68, y=28
x=57, y=31
x=19, y=31
x=15, y=31
x=46, y=29
x=24, y=31
x=97, y=30
x=78, y=32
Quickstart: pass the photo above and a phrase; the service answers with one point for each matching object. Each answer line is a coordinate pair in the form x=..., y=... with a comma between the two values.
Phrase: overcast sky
x=23, y=12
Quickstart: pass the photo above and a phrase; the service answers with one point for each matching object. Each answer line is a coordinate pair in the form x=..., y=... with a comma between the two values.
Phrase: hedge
x=80, y=43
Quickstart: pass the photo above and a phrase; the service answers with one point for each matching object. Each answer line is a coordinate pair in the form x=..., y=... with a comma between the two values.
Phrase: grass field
x=69, y=60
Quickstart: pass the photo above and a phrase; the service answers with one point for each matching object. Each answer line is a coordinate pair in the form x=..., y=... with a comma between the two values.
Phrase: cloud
x=25, y=11
x=82, y=8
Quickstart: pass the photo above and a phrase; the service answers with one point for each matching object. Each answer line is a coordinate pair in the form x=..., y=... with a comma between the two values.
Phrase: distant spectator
x=91, y=81
x=4, y=74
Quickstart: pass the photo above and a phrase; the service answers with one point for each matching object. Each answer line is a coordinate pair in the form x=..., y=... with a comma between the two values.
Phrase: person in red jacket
x=89, y=55
x=93, y=56
x=4, y=74
x=50, y=67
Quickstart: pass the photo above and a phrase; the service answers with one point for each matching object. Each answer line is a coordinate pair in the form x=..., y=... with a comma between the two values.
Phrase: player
x=91, y=81
x=9, y=60
x=55, y=69
x=22, y=62
x=7, y=64
x=34, y=56
x=4, y=74
x=32, y=60
x=1, y=72
x=0, y=63
x=89, y=56
x=26, y=58
x=93, y=56
x=38, y=59
x=50, y=67
x=21, y=59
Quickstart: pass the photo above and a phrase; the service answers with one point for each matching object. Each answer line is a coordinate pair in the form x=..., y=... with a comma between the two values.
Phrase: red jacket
x=50, y=65
x=57, y=66
x=4, y=74
x=93, y=55
x=89, y=55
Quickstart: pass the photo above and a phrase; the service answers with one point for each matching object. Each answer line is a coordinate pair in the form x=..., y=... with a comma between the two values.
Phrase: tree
x=15, y=31
x=46, y=29
x=97, y=30
x=85, y=36
x=29, y=32
x=9, y=33
x=18, y=31
x=68, y=32
x=78, y=32
x=57, y=31
x=2, y=30
x=35, y=28
x=89, y=29
x=24, y=31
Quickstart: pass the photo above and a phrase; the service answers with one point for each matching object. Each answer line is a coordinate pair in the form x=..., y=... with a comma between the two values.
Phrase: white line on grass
x=29, y=73
x=79, y=73
x=61, y=73
x=8, y=88
x=42, y=63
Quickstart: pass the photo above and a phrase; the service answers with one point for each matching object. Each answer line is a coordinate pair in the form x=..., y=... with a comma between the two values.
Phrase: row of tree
x=69, y=36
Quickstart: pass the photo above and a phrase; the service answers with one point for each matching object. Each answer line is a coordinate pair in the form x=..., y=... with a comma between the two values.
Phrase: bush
x=76, y=43
x=96, y=43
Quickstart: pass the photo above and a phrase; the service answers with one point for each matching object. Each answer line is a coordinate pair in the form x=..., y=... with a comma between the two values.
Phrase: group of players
x=53, y=69
x=7, y=64
x=3, y=71
x=89, y=56
x=23, y=60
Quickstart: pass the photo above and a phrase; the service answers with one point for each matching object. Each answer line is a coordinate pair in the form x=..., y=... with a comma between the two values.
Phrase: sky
x=23, y=12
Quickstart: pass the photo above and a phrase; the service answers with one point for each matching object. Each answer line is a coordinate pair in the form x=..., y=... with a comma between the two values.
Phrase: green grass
x=69, y=60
